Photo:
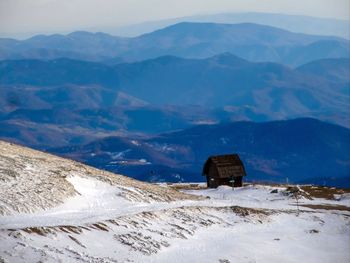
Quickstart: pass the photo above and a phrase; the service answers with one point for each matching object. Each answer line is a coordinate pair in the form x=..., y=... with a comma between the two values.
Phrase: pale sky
x=25, y=17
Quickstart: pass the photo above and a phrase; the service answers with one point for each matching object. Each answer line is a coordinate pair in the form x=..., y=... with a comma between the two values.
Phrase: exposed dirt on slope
x=327, y=207
x=149, y=232
x=329, y=193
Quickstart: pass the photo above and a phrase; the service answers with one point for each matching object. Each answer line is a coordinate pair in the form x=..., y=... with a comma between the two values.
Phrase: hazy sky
x=25, y=17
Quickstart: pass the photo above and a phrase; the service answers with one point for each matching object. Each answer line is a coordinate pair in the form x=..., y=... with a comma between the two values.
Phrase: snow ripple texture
x=32, y=181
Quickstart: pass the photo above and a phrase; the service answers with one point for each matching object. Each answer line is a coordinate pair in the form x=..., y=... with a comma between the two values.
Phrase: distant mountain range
x=293, y=23
x=332, y=69
x=168, y=93
x=104, y=100
x=191, y=40
x=298, y=151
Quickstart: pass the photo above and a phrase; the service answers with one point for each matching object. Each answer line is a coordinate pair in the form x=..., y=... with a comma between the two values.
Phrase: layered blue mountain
x=78, y=45
x=56, y=72
x=249, y=41
x=75, y=101
x=192, y=40
x=182, y=91
x=332, y=69
x=106, y=100
x=294, y=23
x=297, y=151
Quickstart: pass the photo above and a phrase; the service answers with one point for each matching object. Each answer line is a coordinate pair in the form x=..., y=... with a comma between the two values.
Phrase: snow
x=263, y=243
x=260, y=196
x=96, y=201
x=164, y=147
x=118, y=155
x=111, y=218
x=209, y=230
x=134, y=142
x=144, y=161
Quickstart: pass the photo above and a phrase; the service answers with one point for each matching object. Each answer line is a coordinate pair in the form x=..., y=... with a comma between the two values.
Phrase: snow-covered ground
x=100, y=217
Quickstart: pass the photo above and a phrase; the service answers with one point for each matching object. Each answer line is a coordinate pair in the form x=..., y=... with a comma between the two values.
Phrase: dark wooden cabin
x=224, y=170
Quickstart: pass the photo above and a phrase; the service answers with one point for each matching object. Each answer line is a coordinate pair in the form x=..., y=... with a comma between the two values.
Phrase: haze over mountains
x=223, y=87
x=95, y=95
x=135, y=120
x=192, y=40
x=294, y=23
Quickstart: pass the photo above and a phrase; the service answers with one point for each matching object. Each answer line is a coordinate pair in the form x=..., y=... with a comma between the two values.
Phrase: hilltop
x=33, y=181
x=54, y=209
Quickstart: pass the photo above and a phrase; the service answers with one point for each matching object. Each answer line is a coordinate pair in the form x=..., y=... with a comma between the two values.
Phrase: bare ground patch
x=327, y=207
x=324, y=192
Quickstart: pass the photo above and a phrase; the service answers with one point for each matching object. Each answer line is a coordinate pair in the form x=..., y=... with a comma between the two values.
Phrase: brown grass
x=41, y=231
x=76, y=241
x=327, y=207
x=188, y=186
x=313, y=191
x=100, y=226
x=246, y=211
x=70, y=229
x=323, y=192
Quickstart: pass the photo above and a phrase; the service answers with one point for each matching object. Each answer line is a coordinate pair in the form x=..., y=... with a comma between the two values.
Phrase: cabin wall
x=213, y=171
x=223, y=174
x=238, y=182
x=230, y=171
x=216, y=182
x=212, y=177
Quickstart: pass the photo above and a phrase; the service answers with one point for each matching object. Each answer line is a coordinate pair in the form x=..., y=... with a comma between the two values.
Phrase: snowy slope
x=32, y=181
x=95, y=216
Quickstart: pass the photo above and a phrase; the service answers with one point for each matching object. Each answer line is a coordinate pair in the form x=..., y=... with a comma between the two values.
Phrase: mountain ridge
x=271, y=151
x=294, y=23
x=123, y=97
x=255, y=42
